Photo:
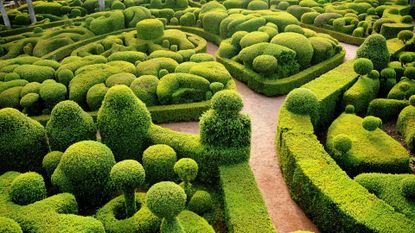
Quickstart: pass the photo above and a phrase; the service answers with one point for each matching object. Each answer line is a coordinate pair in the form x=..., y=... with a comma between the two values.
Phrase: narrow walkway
x=286, y=215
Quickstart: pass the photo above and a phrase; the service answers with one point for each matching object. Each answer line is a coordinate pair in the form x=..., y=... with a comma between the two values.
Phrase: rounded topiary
x=158, y=161
x=410, y=72
x=52, y=93
x=150, y=29
x=201, y=202
x=294, y=28
x=375, y=49
x=123, y=121
x=28, y=188
x=388, y=73
x=68, y=124
x=145, y=88
x=283, y=5
x=51, y=161
x=65, y=76
x=408, y=187
x=227, y=101
x=23, y=142
x=404, y=87
x=373, y=74
x=412, y=100
x=8, y=225
x=265, y=64
x=302, y=101
x=342, y=143
x=362, y=66
x=405, y=35
x=349, y=109
x=186, y=169
x=216, y=87
x=166, y=199
x=84, y=170
x=128, y=175
x=405, y=58
x=370, y=123
x=120, y=79
x=31, y=102
x=95, y=96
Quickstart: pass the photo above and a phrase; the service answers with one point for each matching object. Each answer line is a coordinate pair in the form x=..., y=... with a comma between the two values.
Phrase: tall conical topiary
x=68, y=124
x=123, y=121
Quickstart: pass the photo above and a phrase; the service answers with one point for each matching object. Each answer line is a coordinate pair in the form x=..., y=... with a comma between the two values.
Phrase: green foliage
x=201, y=202
x=166, y=199
x=362, y=66
x=324, y=48
x=216, y=87
x=405, y=35
x=342, y=142
x=388, y=73
x=309, y=17
x=129, y=56
x=408, y=187
x=32, y=87
x=227, y=102
x=302, y=101
x=84, y=170
x=349, y=109
x=159, y=161
x=294, y=28
x=31, y=103
x=28, y=188
x=35, y=73
x=265, y=64
x=145, y=88
x=298, y=11
x=51, y=161
x=95, y=96
x=405, y=123
x=8, y=225
x=11, y=76
x=186, y=169
x=362, y=92
x=52, y=93
x=257, y=5
x=23, y=142
x=65, y=76
x=150, y=29
x=123, y=121
x=202, y=57
x=107, y=22
x=10, y=97
x=371, y=123
x=283, y=5
x=120, y=79
x=188, y=19
x=375, y=49
x=409, y=72
x=68, y=124
x=298, y=43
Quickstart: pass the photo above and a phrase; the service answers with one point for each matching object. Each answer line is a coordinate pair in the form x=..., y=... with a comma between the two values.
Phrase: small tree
x=128, y=175
x=405, y=35
x=186, y=169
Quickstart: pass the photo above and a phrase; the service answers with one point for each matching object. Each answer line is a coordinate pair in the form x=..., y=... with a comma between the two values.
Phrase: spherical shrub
x=68, y=124
x=23, y=142
x=52, y=93
x=8, y=225
x=200, y=203
x=37, y=29
x=283, y=5
x=237, y=37
x=158, y=161
x=145, y=88
x=294, y=28
x=407, y=19
x=405, y=35
x=84, y=170
x=405, y=58
x=373, y=74
x=166, y=199
x=216, y=87
x=227, y=101
x=123, y=121
x=186, y=169
x=150, y=29
x=375, y=49
x=408, y=187
x=265, y=64
x=370, y=123
x=342, y=143
x=50, y=161
x=32, y=87
x=388, y=73
x=362, y=66
x=257, y=5
x=120, y=79
x=28, y=188
x=409, y=72
x=127, y=174
x=30, y=100
x=65, y=76
x=302, y=101
x=349, y=109
x=95, y=96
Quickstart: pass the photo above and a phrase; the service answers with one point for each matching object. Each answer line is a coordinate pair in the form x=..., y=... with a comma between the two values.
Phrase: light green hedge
x=349, y=39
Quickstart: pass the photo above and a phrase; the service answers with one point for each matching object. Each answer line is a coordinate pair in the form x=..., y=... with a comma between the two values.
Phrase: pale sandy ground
x=286, y=215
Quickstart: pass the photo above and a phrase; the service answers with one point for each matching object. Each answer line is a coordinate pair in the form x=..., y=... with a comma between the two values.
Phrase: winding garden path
x=286, y=215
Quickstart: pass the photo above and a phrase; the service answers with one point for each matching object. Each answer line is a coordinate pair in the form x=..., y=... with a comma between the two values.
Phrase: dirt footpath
x=286, y=215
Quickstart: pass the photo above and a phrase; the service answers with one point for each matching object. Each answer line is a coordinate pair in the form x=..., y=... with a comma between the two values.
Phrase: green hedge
x=281, y=86
x=239, y=189
x=386, y=109
x=349, y=39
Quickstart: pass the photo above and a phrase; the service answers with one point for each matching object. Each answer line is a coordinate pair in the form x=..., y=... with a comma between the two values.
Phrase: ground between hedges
x=286, y=215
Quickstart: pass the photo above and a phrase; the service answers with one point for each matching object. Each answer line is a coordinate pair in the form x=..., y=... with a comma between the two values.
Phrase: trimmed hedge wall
x=280, y=86
x=349, y=39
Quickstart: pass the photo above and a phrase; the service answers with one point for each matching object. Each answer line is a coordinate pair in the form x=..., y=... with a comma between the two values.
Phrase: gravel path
x=286, y=215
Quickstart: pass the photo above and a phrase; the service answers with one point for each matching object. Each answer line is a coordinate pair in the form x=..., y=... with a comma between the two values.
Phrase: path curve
x=286, y=215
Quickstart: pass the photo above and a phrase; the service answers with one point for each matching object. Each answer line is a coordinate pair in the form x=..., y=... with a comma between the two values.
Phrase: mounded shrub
x=150, y=29
x=84, y=171
x=342, y=142
x=51, y=161
x=373, y=74
x=68, y=124
x=158, y=161
x=405, y=35
x=371, y=123
x=95, y=96
x=216, y=87
x=265, y=64
x=129, y=56
x=35, y=73
x=299, y=44
x=362, y=66
x=408, y=187
x=31, y=103
x=200, y=203
x=65, y=76
x=128, y=175
x=52, y=93
x=302, y=101
x=257, y=5
x=32, y=87
x=28, y=188
x=8, y=225
x=145, y=88
x=23, y=142
x=409, y=72
x=123, y=121
x=375, y=49
x=120, y=79
x=186, y=169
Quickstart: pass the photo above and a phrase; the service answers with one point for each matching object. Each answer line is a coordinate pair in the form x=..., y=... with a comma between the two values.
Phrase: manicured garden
x=84, y=83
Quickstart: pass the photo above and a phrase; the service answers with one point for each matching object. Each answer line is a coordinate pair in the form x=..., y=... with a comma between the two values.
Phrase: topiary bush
x=51, y=161
x=23, y=142
x=158, y=161
x=95, y=96
x=349, y=109
x=28, y=188
x=68, y=123
x=408, y=187
x=150, y=29
x=186, y=169
x=201, y=202
x=409, y=72
x=375, y=49
x=342, y=142
x=362, y=66
x=65, y=76
x=371, y=123
x=128, y=175
x=84, y=170
x=299, y=44
x=8, y=225
x=265, y=64
x=52, y=93
x=123, y=121
x=405, y=35
x=166, y=200
x=302, y=101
